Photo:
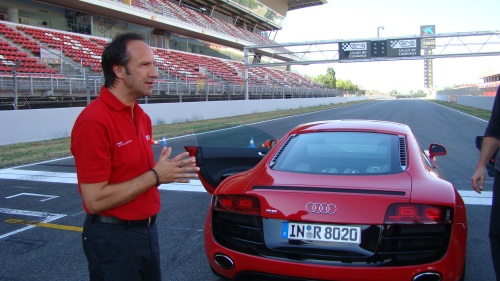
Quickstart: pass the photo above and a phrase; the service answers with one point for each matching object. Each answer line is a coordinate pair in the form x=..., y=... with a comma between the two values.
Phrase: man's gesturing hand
x=180, y=168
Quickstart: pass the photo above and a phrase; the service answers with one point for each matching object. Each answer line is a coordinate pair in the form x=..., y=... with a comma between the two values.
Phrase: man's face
x=140, y=73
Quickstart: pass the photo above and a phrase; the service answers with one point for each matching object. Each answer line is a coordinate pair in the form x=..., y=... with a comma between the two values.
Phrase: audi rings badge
x=321, y=208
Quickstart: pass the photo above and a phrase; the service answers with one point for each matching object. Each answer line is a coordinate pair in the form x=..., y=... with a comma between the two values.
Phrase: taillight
x=237, y=204
x=418, y=213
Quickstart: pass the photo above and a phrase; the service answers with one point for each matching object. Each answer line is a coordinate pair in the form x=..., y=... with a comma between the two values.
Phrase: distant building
x=488, y=86
x=491, y=82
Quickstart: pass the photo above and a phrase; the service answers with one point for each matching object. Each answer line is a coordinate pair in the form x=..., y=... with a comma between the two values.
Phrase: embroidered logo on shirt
x=148, y=137
x=121, y=143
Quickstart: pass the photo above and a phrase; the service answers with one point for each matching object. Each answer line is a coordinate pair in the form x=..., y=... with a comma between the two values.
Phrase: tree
x=327, y=79
x=420, y=93
x=394, y=93
x=347, y=85
x=330, y=72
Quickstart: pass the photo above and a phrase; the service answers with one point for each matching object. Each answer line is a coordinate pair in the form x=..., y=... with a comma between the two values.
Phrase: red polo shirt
x=108, y=146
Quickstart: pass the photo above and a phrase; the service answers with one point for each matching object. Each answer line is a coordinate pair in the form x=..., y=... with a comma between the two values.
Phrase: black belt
x=129, y=223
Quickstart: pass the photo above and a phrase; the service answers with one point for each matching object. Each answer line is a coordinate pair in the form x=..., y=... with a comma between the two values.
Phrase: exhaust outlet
x=224, y=261
x=427, y=276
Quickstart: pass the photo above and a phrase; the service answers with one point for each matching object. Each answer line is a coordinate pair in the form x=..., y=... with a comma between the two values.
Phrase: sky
x=361, y=19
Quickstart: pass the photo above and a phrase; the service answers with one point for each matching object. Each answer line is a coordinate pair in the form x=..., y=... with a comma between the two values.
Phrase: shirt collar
x=111, y=100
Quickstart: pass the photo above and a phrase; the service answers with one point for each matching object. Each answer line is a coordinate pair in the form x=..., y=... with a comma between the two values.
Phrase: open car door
x=217, y=163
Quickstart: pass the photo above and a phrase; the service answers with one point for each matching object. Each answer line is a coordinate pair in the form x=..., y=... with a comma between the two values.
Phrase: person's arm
x=491, y=142
x=102, y=196
x=490, y=145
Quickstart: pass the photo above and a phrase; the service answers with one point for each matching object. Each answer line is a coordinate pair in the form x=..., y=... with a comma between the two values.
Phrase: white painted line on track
x=470, y=197
x=473, y=198
x=56, y=177
x=193, y=186
x=44, y=176
x=48, y=218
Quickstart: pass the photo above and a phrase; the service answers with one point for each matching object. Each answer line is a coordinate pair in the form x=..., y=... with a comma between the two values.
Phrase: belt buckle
x=149, y=221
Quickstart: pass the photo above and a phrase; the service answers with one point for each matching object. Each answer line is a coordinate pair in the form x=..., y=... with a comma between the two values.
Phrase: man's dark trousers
x=120, y=252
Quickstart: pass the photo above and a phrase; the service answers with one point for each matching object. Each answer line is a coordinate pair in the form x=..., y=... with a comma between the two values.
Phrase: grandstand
x=490, y=82
x=487, y=87
x=50, y=50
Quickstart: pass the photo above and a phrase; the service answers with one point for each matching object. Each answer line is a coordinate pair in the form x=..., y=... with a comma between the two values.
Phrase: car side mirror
x=436, y=150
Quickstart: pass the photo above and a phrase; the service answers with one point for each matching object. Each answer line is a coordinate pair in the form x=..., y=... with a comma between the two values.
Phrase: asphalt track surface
x=41, y=214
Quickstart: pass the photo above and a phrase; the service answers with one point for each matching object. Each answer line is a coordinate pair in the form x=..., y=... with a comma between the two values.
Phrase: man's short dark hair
x=116, y=54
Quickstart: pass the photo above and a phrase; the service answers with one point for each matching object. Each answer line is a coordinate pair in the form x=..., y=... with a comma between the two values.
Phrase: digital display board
x=428, y=42
x=403, y=47
x=379, y=48
x=354, y=50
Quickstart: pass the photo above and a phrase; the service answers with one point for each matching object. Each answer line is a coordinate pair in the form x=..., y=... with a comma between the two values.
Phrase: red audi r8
x=333, y=200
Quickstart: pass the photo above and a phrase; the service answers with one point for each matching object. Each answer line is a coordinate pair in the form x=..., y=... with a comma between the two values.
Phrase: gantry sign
x=464, y=44
x=425, y=47
x=406, y=47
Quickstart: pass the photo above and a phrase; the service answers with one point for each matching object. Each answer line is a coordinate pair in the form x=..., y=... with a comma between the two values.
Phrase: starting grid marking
x=45, y=225
x=470, y=197
x=47, y=217
x=43, y=176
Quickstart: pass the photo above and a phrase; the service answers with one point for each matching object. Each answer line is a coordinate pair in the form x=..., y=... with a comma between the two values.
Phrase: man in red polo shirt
x=117, y=175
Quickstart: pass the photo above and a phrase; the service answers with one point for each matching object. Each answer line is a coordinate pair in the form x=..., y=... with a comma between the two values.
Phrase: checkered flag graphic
x=394, y=43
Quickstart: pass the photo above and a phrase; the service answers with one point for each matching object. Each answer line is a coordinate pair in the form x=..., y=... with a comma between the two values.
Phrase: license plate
x=321, y=232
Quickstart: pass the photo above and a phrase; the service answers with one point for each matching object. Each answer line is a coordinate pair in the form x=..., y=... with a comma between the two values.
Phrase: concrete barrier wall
x=485, y=103
x=441, y=97
x=45, y=124
x=481, y=102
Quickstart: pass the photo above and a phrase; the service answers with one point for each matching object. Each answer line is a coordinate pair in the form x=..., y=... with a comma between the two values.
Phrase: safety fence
x=56, y=91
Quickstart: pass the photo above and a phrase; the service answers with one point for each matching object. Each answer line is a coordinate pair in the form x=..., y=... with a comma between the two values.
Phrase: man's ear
x=119, y=70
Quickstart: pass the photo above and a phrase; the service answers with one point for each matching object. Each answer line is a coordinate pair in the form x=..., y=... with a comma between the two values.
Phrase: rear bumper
x=450, y=267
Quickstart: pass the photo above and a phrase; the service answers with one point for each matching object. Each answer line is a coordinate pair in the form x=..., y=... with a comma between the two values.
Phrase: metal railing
x=462, y=91
x=34, y=91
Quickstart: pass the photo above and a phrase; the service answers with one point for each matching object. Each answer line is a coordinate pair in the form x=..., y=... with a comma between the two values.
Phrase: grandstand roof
x=299, y=4
x=234, y=9
x=230, y=8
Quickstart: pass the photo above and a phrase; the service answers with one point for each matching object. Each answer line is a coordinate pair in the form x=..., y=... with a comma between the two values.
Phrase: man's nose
x=154, y=72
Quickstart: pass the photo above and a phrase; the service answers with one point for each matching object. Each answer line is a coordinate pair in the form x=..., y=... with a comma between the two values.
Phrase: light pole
x=378, y=31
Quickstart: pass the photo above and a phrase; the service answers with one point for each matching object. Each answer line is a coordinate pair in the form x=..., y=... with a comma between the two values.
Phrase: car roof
x=353, y=125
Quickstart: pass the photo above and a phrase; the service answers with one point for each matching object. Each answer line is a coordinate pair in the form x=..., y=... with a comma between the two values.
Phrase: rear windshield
x=340, y=153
